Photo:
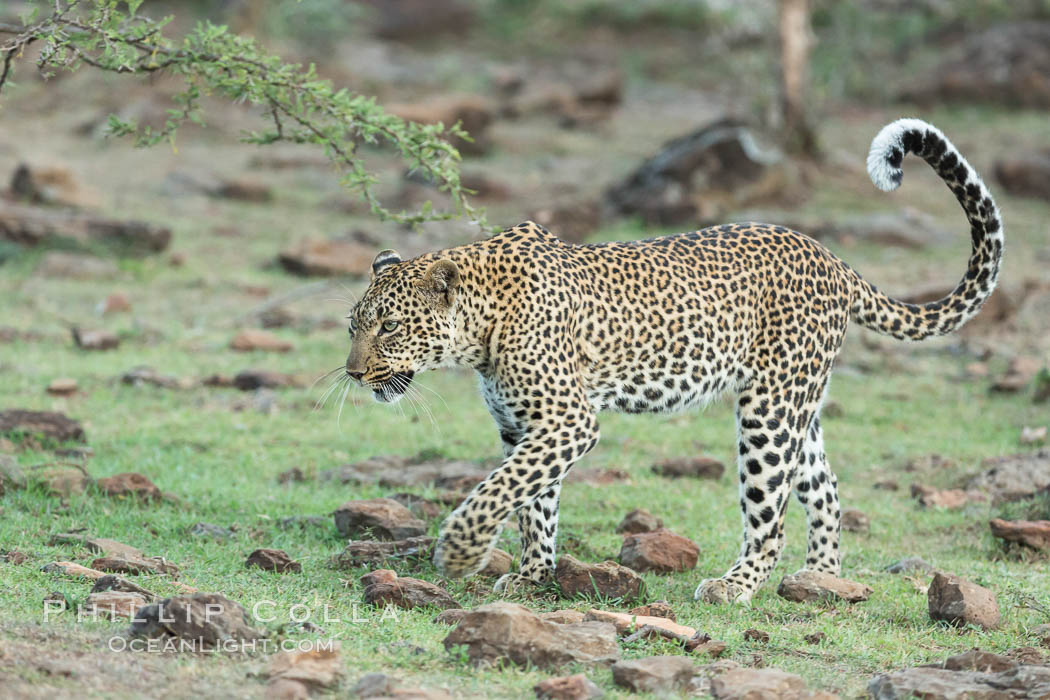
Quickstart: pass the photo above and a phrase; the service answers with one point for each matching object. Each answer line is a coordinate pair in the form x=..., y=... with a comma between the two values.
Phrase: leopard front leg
x=538, y=522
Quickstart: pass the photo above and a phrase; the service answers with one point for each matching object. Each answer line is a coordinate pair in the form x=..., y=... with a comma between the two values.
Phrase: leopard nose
x=355, y=375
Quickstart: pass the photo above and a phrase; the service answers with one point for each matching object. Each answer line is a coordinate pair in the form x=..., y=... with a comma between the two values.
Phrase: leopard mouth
x=394, y=388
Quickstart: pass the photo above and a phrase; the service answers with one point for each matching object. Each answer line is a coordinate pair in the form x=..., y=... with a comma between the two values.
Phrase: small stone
x=605, y=580
x=113, y=604
x=659, y=608
x=855, y=521
x=380, y=518
x=753, y=635
x=95, y=339
x=110, y=582
x=811, y=586
x=908, y=565
x=63, y=387
x=115, y=303
x=421, y=507
x=68, y=568
x=450, y=617
x=499, y=564
x=655, y=674
x=276, y=560
x=15, y=557
x=661, y=551
x=63, y=481
x=216, y=532
x=960, y=602
x=886, y=485
x=711, y=647
x=316, y=668
x=370, y=552
x=977, y=660
x=407, y=593
x=509, y=632
x=372, y=685
x=251, y=339
x=639, y=520
x=940, y=498
x=293, y=475
x=815, y=638
x=1033, y=436
x=757, y=683
x=135, y=565
x=378, y=576
x=97, y=545
x=568, y=617
x=1031, y=533
x=691, y=467
x=252, y=379
x=625, y=622
x=130, y=484
x=205, y=619
x=577, y=687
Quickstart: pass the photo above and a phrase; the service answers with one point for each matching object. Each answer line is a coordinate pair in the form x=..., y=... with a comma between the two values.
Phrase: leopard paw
x=513, y=583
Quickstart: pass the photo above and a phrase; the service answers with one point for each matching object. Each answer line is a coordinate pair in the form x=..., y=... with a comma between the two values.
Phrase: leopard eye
x=390, y=326
x=353, y=326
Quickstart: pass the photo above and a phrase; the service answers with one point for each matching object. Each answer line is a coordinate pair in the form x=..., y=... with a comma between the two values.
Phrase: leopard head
x=404, y=323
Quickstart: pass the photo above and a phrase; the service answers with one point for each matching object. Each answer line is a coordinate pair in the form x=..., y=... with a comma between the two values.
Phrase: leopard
x=557, y=333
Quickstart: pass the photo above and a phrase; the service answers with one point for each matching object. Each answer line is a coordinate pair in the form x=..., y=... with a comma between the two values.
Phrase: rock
x=378, y=576
x=383, y=687
x=316, y=669
x=753, y=635
x=624, y=622
x=243, y=191
x=63, y=387
x=474, y=113
x=1021, y=371
x=1031, y=533
x=97, y=545
x=314, y=257
x=567, y=617
x=14, y=557
x=759, y=684
x=130, y=484
x=909, y=565
x=577, y=687
x=702, y=175
x=661, y=551
x=252, y=379
x=940, y=498
x=499, y=563
x=28, y=225
x=379, y=518
x=973, y=674
x=960, y=602
x=639, y=520
x=407, y=20
x=1013, y=477
x=135, y=565
x=659, y=608
x=810, y=586
x=137, y=376
x=1006, y=64
x=276, y=560
x=886, y=485
x=854, y=520
x=572, y=222
x=63, y=481
x=94, y=339
x=655, y=674
x=293, y=475
x=251, y=339
x=208, y=619
x=52, y=185
x=216, y=532
x=691, y=467
x=367, y=552
x=117, y=302
x=453, y=616
x=1025, y=174
x=109, y=582
x=57, y=427
x=421, y=507
x=597, y=477
x=977, y=660
x=1029, y=436
x=605, y=580
x=68, y=568
x=815, y=638
x=285, y=689
x=405, y=592
x=509, y=632
x=113, y=604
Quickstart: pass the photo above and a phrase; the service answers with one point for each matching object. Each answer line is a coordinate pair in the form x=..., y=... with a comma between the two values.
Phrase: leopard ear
x=383, y=260
x=441, y=279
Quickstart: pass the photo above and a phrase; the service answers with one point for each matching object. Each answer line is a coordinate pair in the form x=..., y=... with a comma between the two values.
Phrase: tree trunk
x=798, y=136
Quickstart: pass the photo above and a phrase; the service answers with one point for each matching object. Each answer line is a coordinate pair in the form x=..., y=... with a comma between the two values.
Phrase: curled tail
x=875, y=310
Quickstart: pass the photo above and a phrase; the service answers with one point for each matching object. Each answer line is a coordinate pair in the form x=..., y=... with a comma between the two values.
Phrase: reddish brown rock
x=95, y=339
x=324, y=258
x=252, y=379
x=959, y=602
x=655, y=674
x=759, y=684
x=315, y=668
x=606, y=580
x=691, y=467
x=135, y=565
x=810, y=586
x=577, y=687
x=64, y=386
x=96, y=545
x=567, y=617
x=378, y=518
x=276, y=560
x=1031, y=533
x=499, y=563
x=405, y=592
x=661, y=551
x=450, y=617
x=113, y=604
x=130, y=484
x=251, y=339
x=659, y=608
x=854, y=520
x=509, y=632
x=119, y=584
x=369, y=552
x=40, y=424
x=940, y=498
x=639, y=520
x=378, y=576
x=206, y=619
x=627, y=621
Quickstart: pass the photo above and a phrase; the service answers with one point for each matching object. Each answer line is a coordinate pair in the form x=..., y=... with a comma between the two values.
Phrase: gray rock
x=960, y=602
x=608, y=579
x=910, y=564
x=810, y=586
x=380, y=518
x=216, y=532
x=655, y=674
x=205, y=619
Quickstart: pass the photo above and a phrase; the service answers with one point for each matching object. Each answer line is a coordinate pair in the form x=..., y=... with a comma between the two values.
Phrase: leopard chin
x=394, y=388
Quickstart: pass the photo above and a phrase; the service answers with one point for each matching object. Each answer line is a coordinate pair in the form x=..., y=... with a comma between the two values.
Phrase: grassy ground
x=221, y=457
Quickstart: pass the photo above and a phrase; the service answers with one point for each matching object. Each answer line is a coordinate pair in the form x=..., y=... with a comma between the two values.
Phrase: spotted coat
x=558, y=333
